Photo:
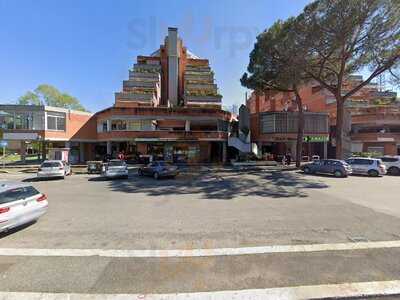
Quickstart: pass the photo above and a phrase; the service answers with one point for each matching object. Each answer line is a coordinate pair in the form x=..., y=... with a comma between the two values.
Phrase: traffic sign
x=3, y=143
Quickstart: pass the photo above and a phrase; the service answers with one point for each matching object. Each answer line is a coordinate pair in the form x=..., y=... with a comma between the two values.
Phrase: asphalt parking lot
x=204, y=210
x=211, y=210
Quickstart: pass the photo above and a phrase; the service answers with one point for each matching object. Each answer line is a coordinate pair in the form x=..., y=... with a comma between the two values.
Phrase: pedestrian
x=288, y=158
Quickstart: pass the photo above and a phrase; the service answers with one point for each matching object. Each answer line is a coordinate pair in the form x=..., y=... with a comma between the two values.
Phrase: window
x=7, y=122
x=56, y=121
x=389, y=159
x=23, y=121
x=17, y=194
x=134, y=125
x=118, y=125
x=50, y=165
x=104, y=126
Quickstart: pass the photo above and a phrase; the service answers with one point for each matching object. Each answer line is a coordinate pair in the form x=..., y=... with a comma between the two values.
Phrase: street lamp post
x=3, y=143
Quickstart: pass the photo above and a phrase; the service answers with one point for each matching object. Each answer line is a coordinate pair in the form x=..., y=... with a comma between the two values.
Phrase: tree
x=46, y=94
x=29, y=98
x=343, y=37
x=275, y=64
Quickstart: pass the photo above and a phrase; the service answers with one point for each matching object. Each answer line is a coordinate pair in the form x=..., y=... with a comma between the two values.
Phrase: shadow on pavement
x=36, y=179
x=273, y=184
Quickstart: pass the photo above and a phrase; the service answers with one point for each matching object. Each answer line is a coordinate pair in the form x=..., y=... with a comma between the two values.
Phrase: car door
x=326, y=167
x=357, y=166
x=364, y=165
x=148, y=170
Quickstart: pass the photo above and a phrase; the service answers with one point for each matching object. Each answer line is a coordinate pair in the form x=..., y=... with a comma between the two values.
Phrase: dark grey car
x=335, y=167
x=158, y=169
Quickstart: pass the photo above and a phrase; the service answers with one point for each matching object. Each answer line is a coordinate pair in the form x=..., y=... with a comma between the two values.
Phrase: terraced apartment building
x=169, y=108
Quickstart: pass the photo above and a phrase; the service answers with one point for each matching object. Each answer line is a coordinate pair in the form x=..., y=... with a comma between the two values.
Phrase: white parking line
x=355, y=289
x=199, y=252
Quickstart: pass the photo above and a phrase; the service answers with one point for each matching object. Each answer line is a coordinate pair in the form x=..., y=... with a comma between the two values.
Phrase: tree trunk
x=339, y=127
x=300, y=131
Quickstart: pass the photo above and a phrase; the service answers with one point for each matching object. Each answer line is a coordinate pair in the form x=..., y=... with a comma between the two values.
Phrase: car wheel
x=373, y=173
x=156, y=175
x=140, y=172
x=338, y=173
x=307, y=170
x=394, y=171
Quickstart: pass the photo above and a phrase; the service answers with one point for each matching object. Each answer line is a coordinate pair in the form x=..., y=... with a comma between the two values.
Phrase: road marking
x=199, y=252
x=355, y=289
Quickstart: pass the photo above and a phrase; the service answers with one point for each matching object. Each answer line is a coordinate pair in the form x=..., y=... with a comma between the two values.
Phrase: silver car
x=115, y=168
x=367, y=166
x=54, y=169
x=20, y=203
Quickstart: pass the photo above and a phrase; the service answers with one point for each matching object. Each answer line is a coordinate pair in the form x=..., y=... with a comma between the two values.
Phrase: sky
x=85, y=48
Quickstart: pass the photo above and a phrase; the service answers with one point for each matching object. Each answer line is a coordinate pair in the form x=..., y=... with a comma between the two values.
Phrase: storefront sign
x=147, y=139
x=316, y=139
x=20, y=136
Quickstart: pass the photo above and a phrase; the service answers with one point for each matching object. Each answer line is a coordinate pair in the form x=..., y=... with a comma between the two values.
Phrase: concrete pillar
x=224, y=152
x=325, y=150
x=23, y=151
x=81, y=152
x=109, y=147
x=187, y=125
x=173, y=66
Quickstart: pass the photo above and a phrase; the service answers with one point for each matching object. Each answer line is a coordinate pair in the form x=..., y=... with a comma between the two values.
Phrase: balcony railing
x=165, y=135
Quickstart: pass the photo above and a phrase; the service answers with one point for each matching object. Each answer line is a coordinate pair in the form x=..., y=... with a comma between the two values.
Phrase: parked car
x=54, y=168
x=94, y=167
x=367, y=166
x=339, y=168
x=392, y=164
x=158, y=169
x=20, y=203
x=115, y=168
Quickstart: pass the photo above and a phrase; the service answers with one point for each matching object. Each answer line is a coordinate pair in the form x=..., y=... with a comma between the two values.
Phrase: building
x=48, y=127
x=274, y=125
x=169, y=108
x=372, y=119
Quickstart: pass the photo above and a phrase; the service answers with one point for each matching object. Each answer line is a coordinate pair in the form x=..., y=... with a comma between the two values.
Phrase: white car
x=54, y=168
x=115, y=168
x=20, y=204
x=367, y=166
x=392, y=164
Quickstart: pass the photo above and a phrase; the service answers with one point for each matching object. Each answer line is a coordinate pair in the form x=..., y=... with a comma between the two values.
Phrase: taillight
x=41, y=198
x=4, y=209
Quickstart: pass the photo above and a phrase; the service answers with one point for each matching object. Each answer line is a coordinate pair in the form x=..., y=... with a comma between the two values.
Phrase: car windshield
x=50, y=165
x=116, y=163
x=18, y=193
x=164, y=164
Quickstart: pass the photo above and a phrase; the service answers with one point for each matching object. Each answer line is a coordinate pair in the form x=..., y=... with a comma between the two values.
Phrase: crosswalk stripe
x=355, y=289
x=200, y=252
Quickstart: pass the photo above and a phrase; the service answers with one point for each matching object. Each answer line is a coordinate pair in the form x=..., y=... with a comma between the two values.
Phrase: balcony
x=376, y=137
x=131, y=96
x=133, y=74
x=137, y=83
x=199, y=99
x=201, y=86
x=164, y=135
